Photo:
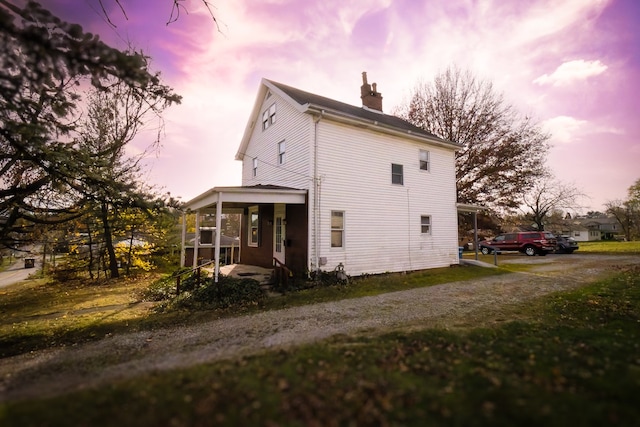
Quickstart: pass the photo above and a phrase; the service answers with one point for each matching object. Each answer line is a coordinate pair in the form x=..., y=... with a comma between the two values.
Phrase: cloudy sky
x=572, y=64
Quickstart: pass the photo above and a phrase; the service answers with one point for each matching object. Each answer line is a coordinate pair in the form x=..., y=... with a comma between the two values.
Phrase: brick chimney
x=370, y=96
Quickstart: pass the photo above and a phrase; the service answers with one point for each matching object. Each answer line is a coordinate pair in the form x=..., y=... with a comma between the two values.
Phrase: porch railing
x=282, y=273
x=196, y=270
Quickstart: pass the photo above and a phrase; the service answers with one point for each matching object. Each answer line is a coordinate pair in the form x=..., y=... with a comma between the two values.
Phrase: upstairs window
x=397, y=175
x=424, y=160
x=337, y=229
x=281, y=152
x=269, y=117
x=255, y=166
x=425, y=224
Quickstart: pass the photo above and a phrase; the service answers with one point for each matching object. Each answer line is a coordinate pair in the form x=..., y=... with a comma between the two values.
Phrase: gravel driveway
x=62, y=370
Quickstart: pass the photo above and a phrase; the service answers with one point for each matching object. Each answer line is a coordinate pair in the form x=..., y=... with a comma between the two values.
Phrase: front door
x=279, y=232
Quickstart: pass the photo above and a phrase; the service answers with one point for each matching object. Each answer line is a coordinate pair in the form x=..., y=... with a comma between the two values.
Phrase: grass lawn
x=574, y=363
x=605, y=246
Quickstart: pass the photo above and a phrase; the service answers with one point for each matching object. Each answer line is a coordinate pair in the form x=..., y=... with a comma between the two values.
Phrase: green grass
x=378, y=284
x=4, y=263
x=605, y=246
x=575, y=362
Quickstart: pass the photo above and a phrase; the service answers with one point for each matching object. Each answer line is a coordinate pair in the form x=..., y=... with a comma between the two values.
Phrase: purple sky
x=572, y=64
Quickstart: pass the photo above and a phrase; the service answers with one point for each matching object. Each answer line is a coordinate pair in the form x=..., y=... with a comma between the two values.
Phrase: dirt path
x=62, y=370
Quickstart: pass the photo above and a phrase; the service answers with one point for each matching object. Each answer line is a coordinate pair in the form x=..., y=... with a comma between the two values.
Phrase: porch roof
x=247, y=195
x=465, y=207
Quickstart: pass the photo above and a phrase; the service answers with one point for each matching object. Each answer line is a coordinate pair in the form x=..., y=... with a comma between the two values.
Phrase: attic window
x=269, y=117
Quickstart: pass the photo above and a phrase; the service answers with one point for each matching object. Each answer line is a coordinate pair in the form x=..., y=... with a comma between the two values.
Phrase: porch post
x=475, y=232
x=183, y=250
x=218, y=233
x=197, y=241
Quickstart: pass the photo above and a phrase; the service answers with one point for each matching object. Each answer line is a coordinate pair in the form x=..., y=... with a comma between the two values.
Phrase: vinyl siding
x=382, y=220
x=295, y=129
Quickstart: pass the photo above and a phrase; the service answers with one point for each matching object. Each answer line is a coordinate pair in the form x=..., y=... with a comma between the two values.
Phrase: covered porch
x=273, y=226
x=464, y=208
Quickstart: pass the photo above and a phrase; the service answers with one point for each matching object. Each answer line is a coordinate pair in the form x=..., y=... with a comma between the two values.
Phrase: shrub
x=228, y=292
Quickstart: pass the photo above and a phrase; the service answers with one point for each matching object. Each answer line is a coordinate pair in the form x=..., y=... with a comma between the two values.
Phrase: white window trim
x=254, y=166
x=430, y=225
x=428, y=161
x=282, y=151
x=253, y=210
x=394, y=174
x=342, y=230
x=269, y=117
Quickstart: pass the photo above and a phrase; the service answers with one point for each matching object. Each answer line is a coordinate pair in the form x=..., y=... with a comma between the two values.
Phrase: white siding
x=295, y=129
x=382, y=220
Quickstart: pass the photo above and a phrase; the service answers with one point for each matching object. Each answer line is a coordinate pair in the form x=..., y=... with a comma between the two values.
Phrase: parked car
x=528, y=242
x=566, y=245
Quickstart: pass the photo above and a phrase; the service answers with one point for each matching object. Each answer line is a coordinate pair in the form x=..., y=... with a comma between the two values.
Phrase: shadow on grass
x=575, y=364
x=56, y=314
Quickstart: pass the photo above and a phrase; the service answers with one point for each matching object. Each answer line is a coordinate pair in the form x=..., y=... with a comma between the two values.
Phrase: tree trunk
x=108, y=241
x=130, y=253
x=89, y=231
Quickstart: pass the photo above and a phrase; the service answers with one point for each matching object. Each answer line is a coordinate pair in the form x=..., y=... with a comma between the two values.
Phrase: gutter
x=379, y=127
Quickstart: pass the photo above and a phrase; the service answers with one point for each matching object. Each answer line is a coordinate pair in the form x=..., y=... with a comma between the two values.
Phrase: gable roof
x=307, y=102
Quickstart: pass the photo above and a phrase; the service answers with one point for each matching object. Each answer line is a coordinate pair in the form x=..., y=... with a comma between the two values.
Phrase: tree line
x=69, y=105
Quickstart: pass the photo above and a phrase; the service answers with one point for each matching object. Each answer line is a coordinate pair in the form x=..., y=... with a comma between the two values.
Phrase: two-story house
x=329, y=185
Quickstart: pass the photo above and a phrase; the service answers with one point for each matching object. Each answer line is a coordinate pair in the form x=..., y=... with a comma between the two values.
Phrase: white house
x=328, y=185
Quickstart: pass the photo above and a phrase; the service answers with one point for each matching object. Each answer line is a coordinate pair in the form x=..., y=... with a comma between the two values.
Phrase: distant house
x=590, y=229
x=328, y=185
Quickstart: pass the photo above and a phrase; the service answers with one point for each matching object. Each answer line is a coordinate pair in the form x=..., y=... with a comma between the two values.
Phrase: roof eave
x=377, y=126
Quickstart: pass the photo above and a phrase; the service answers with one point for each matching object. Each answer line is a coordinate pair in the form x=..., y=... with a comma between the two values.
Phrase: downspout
x=184, y=239
x=218, y=233
x=409, y=230
x=196, y=241
x=316, y=195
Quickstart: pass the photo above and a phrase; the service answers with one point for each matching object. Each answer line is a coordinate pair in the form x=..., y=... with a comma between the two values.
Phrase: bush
x=165, y=288
x=228, y=292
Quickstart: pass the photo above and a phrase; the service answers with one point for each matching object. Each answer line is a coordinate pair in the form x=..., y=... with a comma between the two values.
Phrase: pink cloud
x=530, y=49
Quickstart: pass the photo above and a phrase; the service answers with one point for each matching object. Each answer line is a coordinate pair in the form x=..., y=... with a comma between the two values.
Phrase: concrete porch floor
x=261, y=274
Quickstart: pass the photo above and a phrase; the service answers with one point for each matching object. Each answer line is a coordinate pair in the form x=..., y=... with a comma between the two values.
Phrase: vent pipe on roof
x=370, y=96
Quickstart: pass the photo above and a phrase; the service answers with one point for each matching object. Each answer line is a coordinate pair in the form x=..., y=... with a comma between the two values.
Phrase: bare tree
x=177, y=9
x=503, y=152
x=546, y=197
x=627, y=212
